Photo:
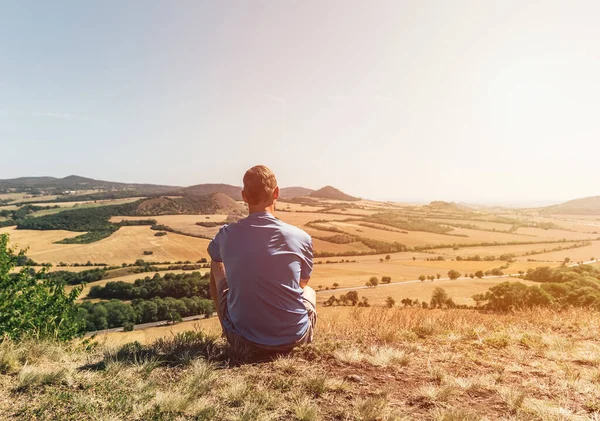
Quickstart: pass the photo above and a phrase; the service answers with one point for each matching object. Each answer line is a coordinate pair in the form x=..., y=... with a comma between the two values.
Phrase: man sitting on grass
x=259, y=273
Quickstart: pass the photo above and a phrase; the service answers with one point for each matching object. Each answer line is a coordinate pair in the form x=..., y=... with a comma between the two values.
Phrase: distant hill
x=215, y=203
x=583, y=206
x=234, y=192
x=287, y=192
x=329, y=192
x=75, y=182
x=439, y=205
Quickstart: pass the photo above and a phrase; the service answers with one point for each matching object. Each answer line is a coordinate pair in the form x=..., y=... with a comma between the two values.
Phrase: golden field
x=124, y=246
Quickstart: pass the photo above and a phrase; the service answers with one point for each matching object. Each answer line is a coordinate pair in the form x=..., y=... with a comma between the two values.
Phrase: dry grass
x=365, y=364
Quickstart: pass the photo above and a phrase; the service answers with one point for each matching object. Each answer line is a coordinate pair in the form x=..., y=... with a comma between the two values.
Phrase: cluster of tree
x=209, y=224
x=456, y=246
x=434, y=259
x=440, y=299
x=349, y=299
x=560, y=287
x=115, y=313
x=338, y=239
x=506, y=257
x=88, y=263
x=76, y=278
x=372, y=282
x=559, y=248
x=171, y=285
x=335, y=261
x=382, y=228
x=160, y=234
x=422, y=278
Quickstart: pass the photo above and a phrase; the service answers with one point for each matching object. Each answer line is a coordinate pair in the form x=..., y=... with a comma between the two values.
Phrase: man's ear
x=276, y=193
x=244, y=198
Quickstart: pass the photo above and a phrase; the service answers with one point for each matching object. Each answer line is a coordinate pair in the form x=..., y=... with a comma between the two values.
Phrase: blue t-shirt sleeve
x=214, y=248
x=307, y=260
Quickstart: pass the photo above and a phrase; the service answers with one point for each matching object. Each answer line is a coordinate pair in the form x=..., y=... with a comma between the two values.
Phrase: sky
x=476, y=101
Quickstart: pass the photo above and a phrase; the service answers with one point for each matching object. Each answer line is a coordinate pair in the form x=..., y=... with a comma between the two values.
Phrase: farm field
x=578, y=254
x=553, y=234
x=359, y=272
x=483, y=251
x=124, y=246
x=484, y=225
x=460, y=290
x=183, y=223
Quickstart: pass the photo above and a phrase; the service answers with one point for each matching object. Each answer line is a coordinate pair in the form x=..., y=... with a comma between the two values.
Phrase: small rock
x=354, y=378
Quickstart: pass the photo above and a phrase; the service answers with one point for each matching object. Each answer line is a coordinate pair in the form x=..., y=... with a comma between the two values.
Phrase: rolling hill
x=234, y=192
x=447, y=206
x=288, y=192
x=583, y=206
x=215, y=203
x=329, y=192
x=75, y=182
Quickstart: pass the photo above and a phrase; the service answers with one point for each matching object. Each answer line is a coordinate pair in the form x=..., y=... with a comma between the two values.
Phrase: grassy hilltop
x=365, y=364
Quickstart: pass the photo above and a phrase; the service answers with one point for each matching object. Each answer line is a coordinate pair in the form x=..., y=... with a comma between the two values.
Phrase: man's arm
x=217, y=275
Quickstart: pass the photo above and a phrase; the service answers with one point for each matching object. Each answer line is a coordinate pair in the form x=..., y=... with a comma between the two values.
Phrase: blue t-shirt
x=264, y=260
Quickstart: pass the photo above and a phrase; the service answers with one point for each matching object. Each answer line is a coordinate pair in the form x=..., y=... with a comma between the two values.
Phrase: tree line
x=115, y=313
x=170, y=285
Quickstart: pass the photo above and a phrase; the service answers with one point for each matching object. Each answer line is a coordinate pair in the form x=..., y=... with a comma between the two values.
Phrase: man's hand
x=304, y=282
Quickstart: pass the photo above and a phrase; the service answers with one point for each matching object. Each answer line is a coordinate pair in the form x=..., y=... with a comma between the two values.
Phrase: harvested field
x=479, y=224
x=183, y=223
x=579, y=254
x=553, y=234
x=124, y=246
x=358, y=273
x=300, y=219
x=460, y=290
x=518, y=250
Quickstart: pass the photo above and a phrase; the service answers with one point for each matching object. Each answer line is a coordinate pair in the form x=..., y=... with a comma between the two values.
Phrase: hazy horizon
x=461, y=101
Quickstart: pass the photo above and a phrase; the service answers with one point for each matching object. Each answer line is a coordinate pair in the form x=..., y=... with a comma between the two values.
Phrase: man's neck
x=262, y=209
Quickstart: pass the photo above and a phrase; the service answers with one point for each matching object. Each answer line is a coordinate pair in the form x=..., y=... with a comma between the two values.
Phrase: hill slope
x=447, y=206
x=329, y=192
x=75, y=182
x=583, y=206
x=234, y=192
x=378, y=364
x=288, y=192
x=215, y=203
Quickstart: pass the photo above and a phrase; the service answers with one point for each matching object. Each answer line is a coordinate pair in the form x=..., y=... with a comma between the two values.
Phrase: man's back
x=264, y=260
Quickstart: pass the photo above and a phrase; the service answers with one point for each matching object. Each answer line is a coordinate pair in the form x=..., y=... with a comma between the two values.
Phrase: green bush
x=33, y=303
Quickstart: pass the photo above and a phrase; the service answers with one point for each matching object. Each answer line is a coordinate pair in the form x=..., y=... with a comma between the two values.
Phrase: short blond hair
x=259, y=184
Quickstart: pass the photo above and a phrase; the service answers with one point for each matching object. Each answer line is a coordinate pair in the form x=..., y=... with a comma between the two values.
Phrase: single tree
x=335, y=285
x=479, y=274
x=387, y=258
x=438, y=298
x=452, y=274
x=390, y=302
x=438, y=276
x=374, y=281
x=422, y=278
